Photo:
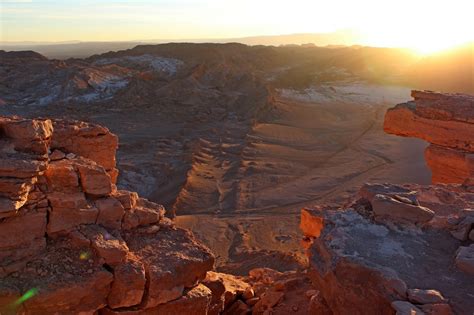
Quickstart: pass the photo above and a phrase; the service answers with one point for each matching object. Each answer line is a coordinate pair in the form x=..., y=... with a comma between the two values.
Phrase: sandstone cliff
x=446, y=121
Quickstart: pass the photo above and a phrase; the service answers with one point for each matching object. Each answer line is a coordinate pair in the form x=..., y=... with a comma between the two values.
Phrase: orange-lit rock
x=62, y=176
x=184, y=265
x=87, y=140
x=95, y=181
x=128, y=286
x=310, y=225
x=76, y=245
x=447, y=122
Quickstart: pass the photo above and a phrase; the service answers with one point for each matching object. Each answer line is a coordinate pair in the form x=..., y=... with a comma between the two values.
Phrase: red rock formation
x=71, y=243
x=404, y=255
x=446, y=121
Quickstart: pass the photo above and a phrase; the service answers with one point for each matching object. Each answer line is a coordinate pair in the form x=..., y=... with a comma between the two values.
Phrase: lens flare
x=84, y=256
x=28, y=295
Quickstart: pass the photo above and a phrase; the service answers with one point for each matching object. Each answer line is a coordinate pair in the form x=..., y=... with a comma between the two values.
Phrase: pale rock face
x=447, y=122
x=394, y=251
x=388, y=207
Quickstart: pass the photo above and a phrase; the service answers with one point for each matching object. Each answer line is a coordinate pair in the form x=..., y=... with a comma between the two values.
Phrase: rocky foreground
x=404, y=248
x=72, y=243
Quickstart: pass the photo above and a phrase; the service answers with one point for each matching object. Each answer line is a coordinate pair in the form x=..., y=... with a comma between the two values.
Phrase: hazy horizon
x=380, y=24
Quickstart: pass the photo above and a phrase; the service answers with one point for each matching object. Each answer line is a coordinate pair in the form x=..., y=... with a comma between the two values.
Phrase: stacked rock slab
x=71, y=243
x=398, y=249
x=446, y=121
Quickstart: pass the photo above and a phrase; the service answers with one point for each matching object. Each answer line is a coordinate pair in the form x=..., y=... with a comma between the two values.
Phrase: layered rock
x=71, y=243
x=446, y=121
x=406, y=249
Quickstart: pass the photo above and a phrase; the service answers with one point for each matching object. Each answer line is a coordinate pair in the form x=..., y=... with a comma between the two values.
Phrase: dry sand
x=318, y=151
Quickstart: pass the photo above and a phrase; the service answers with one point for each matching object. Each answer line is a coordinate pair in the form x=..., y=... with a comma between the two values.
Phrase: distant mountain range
x=78, y=49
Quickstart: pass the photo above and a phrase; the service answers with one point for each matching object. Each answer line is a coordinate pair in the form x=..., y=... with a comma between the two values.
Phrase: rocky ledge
x=446, y=121
x=398, y=249
x=71, y=243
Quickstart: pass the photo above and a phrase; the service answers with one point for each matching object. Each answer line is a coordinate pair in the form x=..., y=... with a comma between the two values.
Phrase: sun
x=430, y=48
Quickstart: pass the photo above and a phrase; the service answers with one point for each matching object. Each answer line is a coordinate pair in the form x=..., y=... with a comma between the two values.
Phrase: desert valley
x=208, y=178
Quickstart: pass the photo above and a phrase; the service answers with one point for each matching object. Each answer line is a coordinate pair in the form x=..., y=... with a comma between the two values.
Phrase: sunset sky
x=426, y=25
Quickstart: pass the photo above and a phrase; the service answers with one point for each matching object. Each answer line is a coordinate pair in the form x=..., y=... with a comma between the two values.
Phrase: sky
x=419, y=24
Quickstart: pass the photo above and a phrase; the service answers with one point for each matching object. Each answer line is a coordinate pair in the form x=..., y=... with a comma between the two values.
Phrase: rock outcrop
x=414, y=257
x=446, y=121
x=71, y=243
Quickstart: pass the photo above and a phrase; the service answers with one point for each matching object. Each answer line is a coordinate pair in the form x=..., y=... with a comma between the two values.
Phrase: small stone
x=90, y=271
x=310, y=293
x=57, y=155
x=279, y=286
x=406, y=308
x=70, y=156
x=248, y=293
x=237, y=308
x=465, y=259
x=268, y=300
x=437, y=309
x=252, y=301
x=419, y=296
x=295, y=308
x=152, y=229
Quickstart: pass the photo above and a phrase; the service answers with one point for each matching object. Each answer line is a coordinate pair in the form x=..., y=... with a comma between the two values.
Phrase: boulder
x=128, y=286
x=111, y=212
x=127, y=199
x=419, y=296
x=406, y=308
x=465, y=259
x=87, y=140
x=184, y=265
x=21, y=168
x=355, y=260
x=22, y=229
x=29, y=135
x=387, y=207
x=237, y=308
x=436, y=309
x=310, y=225
x=225, y=290
x=140, y=216
x=268, y=300
x=69, y=210
x=95, y=181
x=194, y=302
x=61, y=176
x=111, y=249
